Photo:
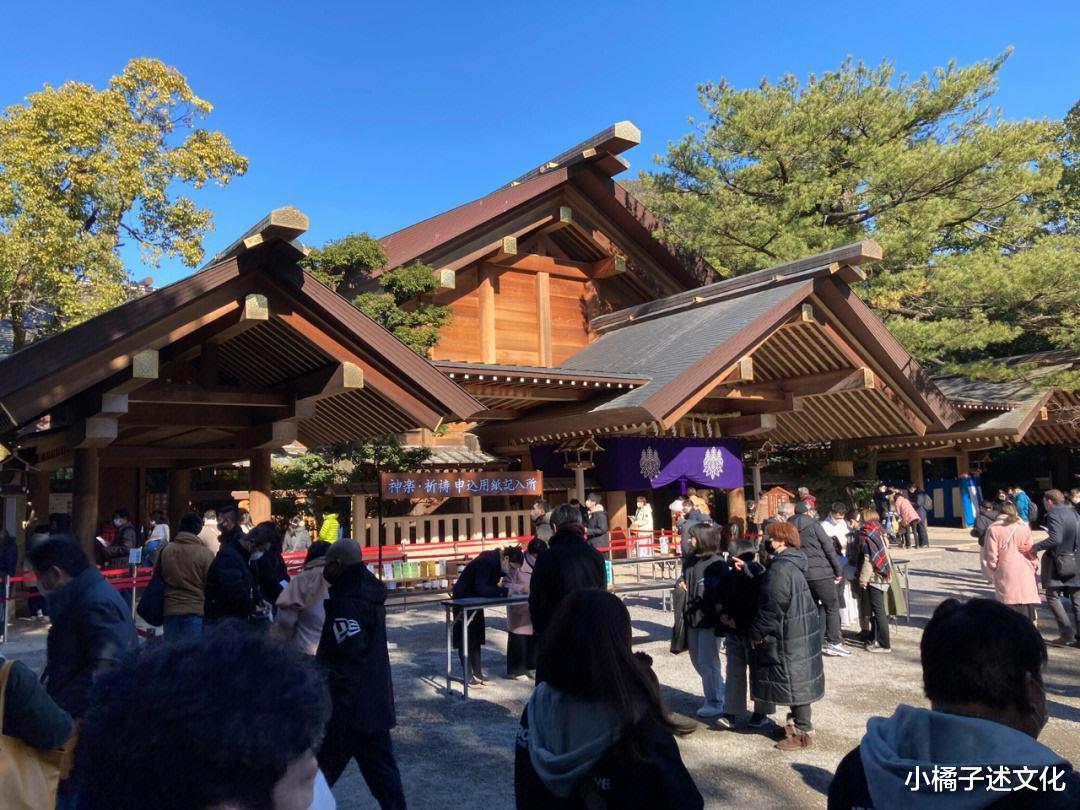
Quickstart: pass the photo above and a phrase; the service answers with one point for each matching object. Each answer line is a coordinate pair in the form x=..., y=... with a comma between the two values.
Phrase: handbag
x=28, y=776
x=152, y=602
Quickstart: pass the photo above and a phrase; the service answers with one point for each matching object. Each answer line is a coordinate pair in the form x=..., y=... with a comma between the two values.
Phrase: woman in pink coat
x=521, y=646
x=1008, y=555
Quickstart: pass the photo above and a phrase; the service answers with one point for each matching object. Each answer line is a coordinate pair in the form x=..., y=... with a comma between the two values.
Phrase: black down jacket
x=821, y=559
x=568, y=565
x=786, y=667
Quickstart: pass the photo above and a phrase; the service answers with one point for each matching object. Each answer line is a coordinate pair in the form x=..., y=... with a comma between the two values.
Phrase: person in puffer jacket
x=983, y=670
x=596, y=734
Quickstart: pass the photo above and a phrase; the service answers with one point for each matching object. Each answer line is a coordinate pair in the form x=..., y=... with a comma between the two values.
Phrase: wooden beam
x=753, y=425
x=563, y=218
x=143, y=369
x=94, y=431
x=806, y=385
x=486, y=293
x=608, y=267
x=152, y=414
x=268, y=436
x=506, y=250
x=132, y=453
x=254, y=311
x=181, y=394
x=543, y=318
x=495, y=414
x=534, y=263
x=329, y=381
x=858, y=380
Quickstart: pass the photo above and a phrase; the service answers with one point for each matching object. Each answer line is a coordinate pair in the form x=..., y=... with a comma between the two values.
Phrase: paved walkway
x=455, y=753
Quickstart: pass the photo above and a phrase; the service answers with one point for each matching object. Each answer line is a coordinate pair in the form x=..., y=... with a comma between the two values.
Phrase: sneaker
x=759, y=721
x=1062, y=641
x=835, y=650
x=795, y=741
x=878, y=649
x=726, y=721
x=476, y=682
x=710, y=710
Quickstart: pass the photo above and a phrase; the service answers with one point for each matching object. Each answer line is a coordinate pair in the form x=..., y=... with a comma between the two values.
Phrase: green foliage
x=355, y=255
x=82, y=171
x=401, y=309
x=963, y=202
x=319, y=470
x=398, y=307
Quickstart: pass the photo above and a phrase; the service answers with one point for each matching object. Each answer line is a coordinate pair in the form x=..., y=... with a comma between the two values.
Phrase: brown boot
x=795, y=740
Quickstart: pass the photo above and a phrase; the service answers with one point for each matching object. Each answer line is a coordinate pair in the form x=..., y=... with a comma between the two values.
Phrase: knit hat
x=346, y=551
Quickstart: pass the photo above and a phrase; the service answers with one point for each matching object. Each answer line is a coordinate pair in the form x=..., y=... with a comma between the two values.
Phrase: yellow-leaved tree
x=84, y=171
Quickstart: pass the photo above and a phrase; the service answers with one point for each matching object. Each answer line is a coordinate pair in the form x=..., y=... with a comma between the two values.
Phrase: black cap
x=801, y=508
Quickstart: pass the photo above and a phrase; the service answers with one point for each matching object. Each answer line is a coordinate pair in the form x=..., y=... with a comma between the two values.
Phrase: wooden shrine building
x=241, y=358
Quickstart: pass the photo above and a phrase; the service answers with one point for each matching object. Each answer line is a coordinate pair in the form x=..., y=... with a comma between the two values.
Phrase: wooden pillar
x=84, y=499
x=915, y=471
x=477, y=511
x=736, y=507
x=963, y=463
x=358, y=509
x=259, y=493
x=486, y=293
x=579, y=483
x=756, y=472
x=139, y=515
x=616, y=509
x=179, y=495
x=543, y=318
x=39, y=497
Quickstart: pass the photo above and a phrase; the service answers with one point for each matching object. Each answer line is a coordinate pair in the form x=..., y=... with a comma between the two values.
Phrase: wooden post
x=736, y=505
x=477, y=517
x=486, y=293
x=358, y=507
x=756, y=472
x=39, y=496
x=915, y=471
x=543, y=317
x=139, y=515
x=84, y=500
x=179, y=494
x=579, y=483
x=259, y=494
x=963, y=463
x=616, y=509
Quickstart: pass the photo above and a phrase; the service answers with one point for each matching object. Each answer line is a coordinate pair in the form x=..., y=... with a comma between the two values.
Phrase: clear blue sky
x=373, y=116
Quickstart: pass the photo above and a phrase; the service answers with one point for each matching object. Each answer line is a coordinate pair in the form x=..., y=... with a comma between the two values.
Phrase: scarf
x=874, y=546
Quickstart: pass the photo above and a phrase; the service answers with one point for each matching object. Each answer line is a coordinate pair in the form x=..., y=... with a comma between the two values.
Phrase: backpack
x=705, y=591
x=1032, y=511
x=926, y=502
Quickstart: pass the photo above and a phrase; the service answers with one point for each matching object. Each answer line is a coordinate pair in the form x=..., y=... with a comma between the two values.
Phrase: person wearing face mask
x=486, y=576
x=353, y=651
x=116, y=554
x=785, y=638
x=91, y=633
x=983, y=670
x=231, y=590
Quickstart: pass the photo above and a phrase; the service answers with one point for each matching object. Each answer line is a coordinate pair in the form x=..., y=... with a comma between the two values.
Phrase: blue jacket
x=92, y=630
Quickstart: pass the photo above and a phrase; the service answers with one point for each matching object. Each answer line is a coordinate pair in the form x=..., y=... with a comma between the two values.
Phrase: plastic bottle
x=608, y=578
x=664, y=545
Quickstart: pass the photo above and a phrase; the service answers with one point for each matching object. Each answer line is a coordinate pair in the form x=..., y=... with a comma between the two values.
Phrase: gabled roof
x=687, y=344
x=587, y=168
x=274, y=331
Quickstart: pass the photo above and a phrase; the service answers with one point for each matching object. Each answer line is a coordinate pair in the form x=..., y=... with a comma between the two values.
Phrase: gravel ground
x=457, y=753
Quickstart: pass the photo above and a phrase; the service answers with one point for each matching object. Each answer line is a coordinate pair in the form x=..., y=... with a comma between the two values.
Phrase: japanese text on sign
x=401, y=486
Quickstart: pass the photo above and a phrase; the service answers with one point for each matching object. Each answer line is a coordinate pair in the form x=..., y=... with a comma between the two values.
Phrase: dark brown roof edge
x=613, y=140
x=818, y=264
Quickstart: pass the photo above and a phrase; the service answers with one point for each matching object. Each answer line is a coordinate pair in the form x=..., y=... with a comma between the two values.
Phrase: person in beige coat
x=184, y=564
x=301, y=610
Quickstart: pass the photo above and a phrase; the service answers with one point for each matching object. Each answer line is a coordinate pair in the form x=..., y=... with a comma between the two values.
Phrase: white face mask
x=118, y=522
x=257, y=555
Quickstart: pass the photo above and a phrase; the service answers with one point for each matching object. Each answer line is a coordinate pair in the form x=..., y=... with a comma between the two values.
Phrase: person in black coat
x=568, y=565
x=823, y=573
x=92, y=630
x=354, y=652
x=1061, y=563
x=231, y=590
x=596, y=524
x=271, y=573
x=738, y=606
x=785, y=636
x=484, y=577
x=596, y=733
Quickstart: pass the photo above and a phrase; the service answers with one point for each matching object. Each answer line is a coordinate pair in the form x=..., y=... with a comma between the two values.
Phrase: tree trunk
x=18, y=326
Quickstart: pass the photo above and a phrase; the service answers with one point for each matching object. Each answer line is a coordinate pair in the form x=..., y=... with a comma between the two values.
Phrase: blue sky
x=373, y=116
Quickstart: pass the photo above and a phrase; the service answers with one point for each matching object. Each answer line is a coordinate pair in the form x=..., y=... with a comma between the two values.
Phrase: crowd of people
x=302, y=677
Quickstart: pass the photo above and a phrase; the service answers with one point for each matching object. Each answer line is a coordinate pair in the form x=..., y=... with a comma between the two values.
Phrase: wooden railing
x=445, y=528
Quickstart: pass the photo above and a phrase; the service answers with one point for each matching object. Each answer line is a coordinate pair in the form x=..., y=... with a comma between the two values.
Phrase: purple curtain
x=635, y=463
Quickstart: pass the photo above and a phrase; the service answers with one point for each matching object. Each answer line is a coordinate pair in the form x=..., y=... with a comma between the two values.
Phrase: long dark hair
x=586, y=652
